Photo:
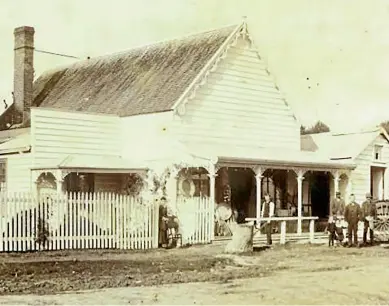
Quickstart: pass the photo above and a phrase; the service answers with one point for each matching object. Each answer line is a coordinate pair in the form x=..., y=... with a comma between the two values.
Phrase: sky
x=330, y=58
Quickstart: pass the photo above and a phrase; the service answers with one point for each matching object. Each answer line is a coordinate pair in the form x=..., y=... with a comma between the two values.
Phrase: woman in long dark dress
x=162, y=235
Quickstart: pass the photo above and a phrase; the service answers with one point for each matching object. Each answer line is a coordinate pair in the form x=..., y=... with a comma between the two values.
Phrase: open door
x=377, y=182
x=320, y=195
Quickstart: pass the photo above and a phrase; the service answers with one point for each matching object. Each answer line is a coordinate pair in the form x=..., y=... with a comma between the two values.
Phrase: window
x=377, y=152
x=3, y=174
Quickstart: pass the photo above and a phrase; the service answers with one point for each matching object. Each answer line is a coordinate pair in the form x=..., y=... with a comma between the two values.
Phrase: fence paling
x=75, y=220
x=200, y=211
x=96, y=213
x=127, y=206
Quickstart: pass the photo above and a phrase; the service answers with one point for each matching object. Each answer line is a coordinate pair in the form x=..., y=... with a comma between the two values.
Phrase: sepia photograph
x=194, y=152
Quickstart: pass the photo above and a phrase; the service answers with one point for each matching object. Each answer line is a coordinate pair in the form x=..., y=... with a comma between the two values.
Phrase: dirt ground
x=292, y=274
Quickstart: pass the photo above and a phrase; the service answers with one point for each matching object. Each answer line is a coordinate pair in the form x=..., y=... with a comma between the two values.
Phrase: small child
x=331, y=230
x=172, y=226
x=339, y=230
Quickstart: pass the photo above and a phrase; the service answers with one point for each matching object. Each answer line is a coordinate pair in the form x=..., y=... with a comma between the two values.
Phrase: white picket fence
x=76, y=221
x=196, y=216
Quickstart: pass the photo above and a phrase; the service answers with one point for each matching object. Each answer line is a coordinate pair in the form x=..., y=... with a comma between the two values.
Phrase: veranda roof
x=166, y=151
x=15, y=143
x=267, y=156
x=96, y=164
x=339, y=146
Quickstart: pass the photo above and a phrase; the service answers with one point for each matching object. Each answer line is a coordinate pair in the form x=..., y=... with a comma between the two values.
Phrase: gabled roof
x=341, y=145
x=142, y=80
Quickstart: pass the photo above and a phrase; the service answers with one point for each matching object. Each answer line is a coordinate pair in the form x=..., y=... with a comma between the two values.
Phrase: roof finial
x=244, y=23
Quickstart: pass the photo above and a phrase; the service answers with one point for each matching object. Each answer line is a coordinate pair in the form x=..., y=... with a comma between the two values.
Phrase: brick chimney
x=23, y=70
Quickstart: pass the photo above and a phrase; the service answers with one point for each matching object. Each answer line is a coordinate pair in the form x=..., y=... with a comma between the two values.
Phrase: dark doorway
x=377, y=182
x=241, y=182
x=320, y=194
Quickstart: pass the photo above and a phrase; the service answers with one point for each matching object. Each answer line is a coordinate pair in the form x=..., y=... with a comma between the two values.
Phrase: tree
x=318, y=127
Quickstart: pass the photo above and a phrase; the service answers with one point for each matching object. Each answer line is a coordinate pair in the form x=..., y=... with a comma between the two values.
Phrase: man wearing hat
x=337, y=206
x=268, y=212
x=352, y=215
x=369, y=213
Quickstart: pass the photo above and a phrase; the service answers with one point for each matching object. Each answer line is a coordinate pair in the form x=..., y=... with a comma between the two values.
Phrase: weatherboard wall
x=361, y=174
x=142, y=136
x=239, y=105
x=18, y=172
x=57, y=134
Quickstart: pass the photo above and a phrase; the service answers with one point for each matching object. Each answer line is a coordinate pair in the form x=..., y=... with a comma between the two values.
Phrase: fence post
x=283, y=232
x=311, y=231
x=155, y=224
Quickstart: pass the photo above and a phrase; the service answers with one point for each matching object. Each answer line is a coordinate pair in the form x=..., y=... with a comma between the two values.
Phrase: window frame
x=377, y=150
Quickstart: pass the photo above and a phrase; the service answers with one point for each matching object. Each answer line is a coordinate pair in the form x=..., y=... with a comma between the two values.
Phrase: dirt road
x=366, y=285
x=284, y=275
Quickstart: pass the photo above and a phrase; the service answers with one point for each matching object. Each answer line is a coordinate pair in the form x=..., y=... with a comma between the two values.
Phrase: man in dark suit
x=268, y=212
x=337, y=205
x=352, y=215
x=369, y=211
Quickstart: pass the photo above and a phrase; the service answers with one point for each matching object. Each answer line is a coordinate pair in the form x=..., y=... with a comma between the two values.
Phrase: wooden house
x=205, y=102
x=368, y=150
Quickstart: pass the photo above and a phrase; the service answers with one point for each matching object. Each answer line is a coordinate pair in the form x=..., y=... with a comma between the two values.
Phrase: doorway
x=377, y=182
x=320, y=194
x=242, y=185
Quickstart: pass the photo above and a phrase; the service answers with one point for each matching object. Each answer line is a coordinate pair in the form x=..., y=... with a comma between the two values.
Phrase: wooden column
x=336, y=183
x=349, y=190
x=300, y=179
x=336, y=186
x=386, y=184
x=381, y=188
x=212, y=195
x=59, y=179
x=258, y=179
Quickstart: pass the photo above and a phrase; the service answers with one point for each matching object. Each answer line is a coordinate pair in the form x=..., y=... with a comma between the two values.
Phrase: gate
x=195, y=215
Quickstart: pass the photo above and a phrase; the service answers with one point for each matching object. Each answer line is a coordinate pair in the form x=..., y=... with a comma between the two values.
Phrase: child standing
x=331, y=230
x=339, y=230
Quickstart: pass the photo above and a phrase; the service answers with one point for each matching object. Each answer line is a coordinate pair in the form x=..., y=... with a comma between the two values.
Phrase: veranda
x=81, y=199
x=236, y=189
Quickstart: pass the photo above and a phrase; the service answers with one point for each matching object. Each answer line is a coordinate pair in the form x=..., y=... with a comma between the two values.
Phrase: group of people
x=352, y=213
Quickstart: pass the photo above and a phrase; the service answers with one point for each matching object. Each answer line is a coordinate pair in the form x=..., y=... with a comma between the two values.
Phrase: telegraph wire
x=58, y=54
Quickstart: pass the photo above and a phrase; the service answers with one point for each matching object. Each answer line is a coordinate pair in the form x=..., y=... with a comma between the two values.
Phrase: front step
x=289, y=237
x=261, y=239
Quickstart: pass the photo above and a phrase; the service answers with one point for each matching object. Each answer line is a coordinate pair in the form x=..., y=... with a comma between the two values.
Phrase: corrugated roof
x=265, y=155
x=95, y=162
x=142, y=80
x=338, y=146
x=21, y=142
